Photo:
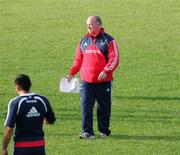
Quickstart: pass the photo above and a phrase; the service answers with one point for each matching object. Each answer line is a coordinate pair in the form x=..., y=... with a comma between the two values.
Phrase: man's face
x=93, y=26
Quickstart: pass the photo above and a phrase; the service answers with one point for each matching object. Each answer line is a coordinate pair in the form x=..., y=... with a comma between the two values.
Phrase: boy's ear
x=17, y=88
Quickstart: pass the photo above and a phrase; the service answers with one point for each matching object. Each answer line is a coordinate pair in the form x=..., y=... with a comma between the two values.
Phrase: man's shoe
x=86, y=135
x=103, y=135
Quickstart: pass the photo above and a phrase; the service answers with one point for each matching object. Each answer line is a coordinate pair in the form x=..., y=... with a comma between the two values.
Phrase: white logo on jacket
x=92, y=51
x=33, y=113
x=85, y=44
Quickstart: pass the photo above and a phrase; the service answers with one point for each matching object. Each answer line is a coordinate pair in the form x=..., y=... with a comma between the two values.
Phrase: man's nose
x=89, y=25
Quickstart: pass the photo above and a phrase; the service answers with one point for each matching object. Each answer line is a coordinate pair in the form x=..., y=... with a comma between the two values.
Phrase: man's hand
x=69, y=77
x=102, y=76
x=4, y=152
x=45, y=121
x=8, y=132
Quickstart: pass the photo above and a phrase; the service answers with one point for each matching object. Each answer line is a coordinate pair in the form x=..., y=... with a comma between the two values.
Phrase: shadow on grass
x=145, y=137
x=145, y=119
x=155, y=98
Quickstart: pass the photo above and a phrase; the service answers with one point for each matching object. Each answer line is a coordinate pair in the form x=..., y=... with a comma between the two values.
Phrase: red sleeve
x=113, y=57
x=77, y=61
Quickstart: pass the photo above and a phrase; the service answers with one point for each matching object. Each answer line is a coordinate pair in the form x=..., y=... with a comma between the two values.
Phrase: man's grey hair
x=98, y=19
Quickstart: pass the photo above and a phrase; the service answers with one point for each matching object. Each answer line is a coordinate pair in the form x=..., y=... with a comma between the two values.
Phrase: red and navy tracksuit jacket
x=96, y=54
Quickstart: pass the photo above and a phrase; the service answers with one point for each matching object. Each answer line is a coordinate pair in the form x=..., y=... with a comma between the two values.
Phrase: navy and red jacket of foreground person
x=26, y=113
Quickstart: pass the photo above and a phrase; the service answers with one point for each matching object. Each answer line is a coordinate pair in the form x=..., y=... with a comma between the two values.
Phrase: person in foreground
x=97, y=57
x=26, y=113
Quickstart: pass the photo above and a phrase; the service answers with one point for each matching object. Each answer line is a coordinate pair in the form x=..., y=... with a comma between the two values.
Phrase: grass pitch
x=39, y=37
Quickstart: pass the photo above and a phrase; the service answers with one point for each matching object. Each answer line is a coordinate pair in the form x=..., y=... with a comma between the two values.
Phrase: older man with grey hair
x=97, y=57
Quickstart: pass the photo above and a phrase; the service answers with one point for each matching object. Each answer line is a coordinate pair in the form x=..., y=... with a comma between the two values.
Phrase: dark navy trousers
x=29, y=151
x=100, y=92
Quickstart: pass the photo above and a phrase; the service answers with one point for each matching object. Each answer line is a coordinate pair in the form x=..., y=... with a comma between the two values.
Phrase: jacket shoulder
x=85, y=42
x=108, y=37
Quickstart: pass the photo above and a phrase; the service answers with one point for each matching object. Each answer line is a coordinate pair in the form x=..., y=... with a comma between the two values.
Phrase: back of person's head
x=23, y=81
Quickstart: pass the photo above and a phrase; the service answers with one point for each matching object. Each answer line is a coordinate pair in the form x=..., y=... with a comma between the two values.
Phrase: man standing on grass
x=97, y=57
x=26, y=113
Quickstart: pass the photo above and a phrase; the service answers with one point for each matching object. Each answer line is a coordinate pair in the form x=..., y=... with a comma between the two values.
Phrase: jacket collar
x=101, y=32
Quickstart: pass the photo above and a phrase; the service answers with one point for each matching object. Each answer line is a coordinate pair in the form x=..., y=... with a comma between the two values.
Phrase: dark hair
x=23, y=81
x=98, y=19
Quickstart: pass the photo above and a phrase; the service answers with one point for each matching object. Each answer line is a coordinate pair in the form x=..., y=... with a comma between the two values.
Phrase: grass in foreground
x=39, y=38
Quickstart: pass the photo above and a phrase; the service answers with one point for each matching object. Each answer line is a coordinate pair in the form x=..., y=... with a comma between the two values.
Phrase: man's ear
x=18, y=89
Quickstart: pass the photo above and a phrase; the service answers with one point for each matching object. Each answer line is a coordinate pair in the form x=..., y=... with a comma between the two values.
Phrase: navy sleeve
x=11, y=114
x=50, y=116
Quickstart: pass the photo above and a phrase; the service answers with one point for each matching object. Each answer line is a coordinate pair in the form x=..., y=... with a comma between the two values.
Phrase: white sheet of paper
x=69, y=86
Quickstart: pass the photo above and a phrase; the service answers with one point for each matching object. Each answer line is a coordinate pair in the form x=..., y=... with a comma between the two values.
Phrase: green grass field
x=39, y=38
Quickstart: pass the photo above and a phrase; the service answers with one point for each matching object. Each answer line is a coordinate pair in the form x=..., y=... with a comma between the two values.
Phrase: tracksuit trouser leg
x=87, y=104
x=102, y=93
x=103, y=97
